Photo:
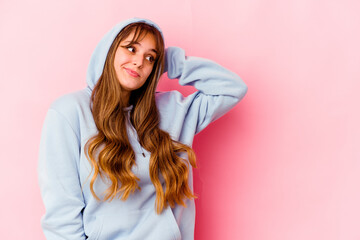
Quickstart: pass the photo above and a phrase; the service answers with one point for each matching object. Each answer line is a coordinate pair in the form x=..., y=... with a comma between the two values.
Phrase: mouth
x=131, y=72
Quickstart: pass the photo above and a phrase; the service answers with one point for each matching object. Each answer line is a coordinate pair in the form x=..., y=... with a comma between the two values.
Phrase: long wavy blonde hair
x=110, y=152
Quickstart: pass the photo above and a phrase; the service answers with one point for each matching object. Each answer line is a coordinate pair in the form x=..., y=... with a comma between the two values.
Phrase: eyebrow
x=154, y=50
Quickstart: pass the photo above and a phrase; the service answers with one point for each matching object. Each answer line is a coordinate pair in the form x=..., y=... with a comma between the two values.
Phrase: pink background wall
x=283, y=164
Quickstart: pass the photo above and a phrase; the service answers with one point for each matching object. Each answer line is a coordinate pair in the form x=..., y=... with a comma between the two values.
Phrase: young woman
x=115, y=158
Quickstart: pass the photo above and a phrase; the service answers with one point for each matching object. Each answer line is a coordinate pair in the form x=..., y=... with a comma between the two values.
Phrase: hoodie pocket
x=122, y=225
x=96, y=229
x=173, y=223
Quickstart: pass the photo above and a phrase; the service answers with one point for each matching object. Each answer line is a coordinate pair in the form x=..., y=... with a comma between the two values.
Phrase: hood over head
x=98, y=57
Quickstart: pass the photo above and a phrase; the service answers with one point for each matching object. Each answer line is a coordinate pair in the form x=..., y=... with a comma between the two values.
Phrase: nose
x=138, y=60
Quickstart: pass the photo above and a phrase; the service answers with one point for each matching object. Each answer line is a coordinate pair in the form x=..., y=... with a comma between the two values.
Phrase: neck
x=125, y=96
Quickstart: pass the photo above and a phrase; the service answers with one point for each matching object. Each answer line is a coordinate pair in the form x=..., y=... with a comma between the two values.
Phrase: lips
x=131, y=72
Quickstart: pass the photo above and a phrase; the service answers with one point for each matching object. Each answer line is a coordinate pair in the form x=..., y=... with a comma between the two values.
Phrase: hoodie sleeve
x=59, y=179
x=219, y=89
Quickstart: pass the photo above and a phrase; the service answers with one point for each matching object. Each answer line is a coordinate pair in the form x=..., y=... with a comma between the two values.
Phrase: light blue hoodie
x=72, y=212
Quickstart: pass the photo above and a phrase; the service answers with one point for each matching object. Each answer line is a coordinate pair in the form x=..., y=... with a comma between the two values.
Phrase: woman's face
x=134, y=62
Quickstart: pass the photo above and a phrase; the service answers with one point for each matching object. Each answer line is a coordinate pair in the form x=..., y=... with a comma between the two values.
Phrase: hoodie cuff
x=174, y=62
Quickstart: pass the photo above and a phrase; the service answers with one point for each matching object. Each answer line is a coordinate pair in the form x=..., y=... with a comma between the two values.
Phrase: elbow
x=242, y=90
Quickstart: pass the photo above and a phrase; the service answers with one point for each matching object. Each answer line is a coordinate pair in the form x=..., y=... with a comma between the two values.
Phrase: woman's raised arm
x=219, y=89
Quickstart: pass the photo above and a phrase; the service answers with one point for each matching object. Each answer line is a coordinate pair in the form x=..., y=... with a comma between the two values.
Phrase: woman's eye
x=131, y=49
x=150, y=58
